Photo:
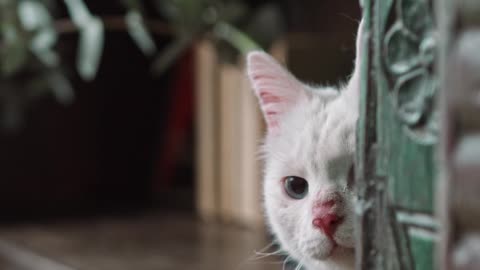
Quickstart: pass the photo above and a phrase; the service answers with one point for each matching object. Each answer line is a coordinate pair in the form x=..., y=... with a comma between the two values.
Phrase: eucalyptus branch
x=113, y=23
x=235, y=37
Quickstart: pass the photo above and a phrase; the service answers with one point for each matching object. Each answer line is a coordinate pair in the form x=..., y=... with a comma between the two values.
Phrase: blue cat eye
x=296, y=187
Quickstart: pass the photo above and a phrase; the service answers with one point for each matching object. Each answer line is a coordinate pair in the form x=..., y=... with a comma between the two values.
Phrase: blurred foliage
x=232, y=23
x=31, y=67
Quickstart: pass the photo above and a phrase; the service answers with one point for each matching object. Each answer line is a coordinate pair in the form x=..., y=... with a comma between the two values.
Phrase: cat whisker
x=267, y=262
x=286, y=261
x=265, y=248
x=258, y=261
x=262, y=253
x=259, y=255
x=299, y=265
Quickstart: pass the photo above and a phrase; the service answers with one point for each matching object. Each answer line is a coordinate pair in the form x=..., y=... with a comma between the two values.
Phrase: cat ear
x=353, y=86
x=276, y=89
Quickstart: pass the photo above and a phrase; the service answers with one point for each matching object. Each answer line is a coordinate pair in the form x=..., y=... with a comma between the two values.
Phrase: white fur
x=311, y=134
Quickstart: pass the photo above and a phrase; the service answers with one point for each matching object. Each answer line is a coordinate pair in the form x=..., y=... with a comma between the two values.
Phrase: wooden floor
x=146, y=242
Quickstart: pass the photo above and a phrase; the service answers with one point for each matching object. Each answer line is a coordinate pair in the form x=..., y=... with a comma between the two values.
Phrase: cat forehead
x=328, y=125
x=326, y=137
x=316, y=135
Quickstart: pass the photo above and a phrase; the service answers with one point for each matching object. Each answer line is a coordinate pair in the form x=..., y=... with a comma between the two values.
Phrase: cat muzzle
x=328, y=224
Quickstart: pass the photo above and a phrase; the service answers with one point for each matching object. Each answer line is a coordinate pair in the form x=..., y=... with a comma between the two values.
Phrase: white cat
x=308, y=153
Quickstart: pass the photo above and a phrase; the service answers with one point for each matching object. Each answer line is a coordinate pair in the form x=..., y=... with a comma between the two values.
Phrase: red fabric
x=179, y=122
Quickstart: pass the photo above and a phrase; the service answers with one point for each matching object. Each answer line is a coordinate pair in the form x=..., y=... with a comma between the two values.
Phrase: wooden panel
x=251, y=130
x=229, y=141
x=229, y=129
x=397, y=135
x=206, y=130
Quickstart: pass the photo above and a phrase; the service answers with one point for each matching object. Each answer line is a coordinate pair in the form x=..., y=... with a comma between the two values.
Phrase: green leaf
x=90, y=48
x=41, y=45
x=35, y=17
x=14, y=52
x=238, y=39
x=232, y=11
x=61, y=87
x=186, y=16
x=266, y=24
x=170, y=54
x=78, y=12
x=91, y=38
x=139, y=33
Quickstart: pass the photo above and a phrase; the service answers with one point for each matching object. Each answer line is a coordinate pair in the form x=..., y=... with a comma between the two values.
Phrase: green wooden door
x=397, y=137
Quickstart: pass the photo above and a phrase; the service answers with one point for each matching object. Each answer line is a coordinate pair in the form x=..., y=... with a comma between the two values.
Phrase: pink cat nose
x=326, y=214
x=327, y=204
x=332, y=203
x=328, y=223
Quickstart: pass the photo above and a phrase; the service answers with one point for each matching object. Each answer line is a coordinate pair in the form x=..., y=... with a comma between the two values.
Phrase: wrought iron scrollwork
x=409, y=51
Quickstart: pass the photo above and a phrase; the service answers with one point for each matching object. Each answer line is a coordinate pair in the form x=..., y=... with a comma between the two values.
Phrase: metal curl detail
x=409, y=49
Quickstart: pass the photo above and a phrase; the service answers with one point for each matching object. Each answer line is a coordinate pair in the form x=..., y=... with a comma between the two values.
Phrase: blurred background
x=129, y=133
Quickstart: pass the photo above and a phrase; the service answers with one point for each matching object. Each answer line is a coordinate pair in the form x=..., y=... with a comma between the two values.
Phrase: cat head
x=308, y=150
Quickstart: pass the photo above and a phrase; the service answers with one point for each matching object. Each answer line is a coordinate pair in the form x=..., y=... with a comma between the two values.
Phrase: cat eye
x=296, y=187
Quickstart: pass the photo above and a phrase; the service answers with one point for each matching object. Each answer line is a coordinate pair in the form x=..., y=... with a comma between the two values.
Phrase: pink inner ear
x=275, y=88
x=270, y=111
x=272, y=107
x=262, y=77
x=266, y=98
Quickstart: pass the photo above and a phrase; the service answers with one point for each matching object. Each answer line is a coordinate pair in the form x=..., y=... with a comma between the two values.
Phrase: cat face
x=308, y=152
